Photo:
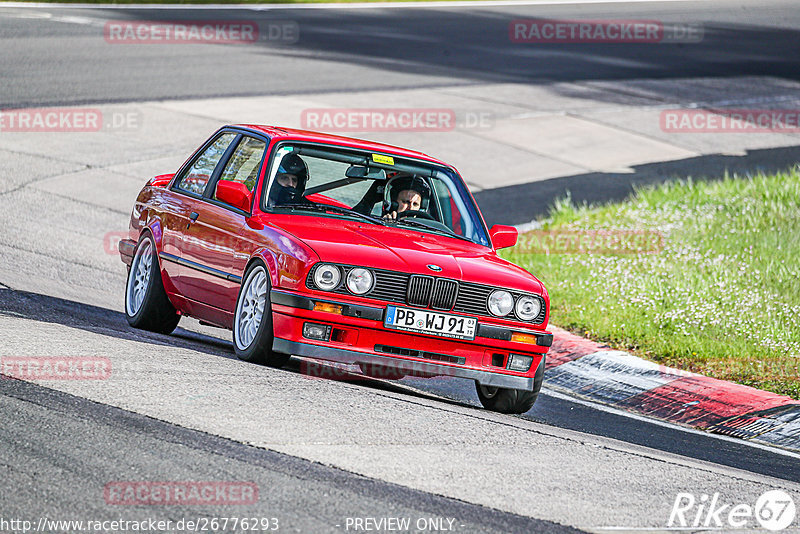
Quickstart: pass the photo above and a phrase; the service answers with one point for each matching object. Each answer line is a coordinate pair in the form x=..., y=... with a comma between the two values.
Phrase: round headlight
x=528, y=308
x=359, y=280
x=327, y=277
x=501, y=303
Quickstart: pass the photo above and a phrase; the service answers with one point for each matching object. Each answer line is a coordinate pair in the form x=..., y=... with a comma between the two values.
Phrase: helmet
x=294, y=164
x=280, y=194
x=414, y=183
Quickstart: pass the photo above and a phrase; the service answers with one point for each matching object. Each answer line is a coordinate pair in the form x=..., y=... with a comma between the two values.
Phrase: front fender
x=154, y=226
x=270, y=260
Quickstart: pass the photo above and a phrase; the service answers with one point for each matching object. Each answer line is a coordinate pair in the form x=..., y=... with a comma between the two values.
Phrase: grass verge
x=722, y=295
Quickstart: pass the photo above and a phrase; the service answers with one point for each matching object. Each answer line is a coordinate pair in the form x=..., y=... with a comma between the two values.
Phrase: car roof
x=281, y=133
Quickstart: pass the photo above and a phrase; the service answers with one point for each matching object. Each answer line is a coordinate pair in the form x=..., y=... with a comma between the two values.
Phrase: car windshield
x=408, y=194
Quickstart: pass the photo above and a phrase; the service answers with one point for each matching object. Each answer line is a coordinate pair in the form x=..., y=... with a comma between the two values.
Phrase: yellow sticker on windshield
x=386, y=160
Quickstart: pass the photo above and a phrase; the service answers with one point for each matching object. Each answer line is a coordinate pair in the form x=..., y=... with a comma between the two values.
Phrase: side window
x=196, y=178
x=245, y=162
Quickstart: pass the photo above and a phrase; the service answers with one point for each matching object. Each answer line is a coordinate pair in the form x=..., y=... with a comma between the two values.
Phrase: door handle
x=192, y=218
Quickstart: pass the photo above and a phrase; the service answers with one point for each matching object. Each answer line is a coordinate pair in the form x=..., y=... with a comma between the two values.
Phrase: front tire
x=252, y=322
x=512, y=401
x=146, y=303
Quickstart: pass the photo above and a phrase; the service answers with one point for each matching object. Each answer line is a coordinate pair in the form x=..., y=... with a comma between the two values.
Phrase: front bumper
x=485, y=378
x=126, y=249
x=359, y=337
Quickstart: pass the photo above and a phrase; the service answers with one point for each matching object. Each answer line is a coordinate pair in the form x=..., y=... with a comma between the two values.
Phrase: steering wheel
x=415, y=213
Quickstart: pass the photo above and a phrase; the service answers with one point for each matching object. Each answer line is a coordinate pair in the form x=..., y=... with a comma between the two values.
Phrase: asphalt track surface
x=551, y=409
x=59, y=448
x=76, y=443
x=59, y=60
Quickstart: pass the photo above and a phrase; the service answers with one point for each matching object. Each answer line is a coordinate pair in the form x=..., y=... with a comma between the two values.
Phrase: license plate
x=430, y=322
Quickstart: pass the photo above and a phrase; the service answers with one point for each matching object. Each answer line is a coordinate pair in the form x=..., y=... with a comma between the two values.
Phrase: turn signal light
x=519, y=337
x=327, y=307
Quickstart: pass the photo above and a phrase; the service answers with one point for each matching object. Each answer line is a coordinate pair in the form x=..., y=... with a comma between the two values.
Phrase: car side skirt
x=199, y=267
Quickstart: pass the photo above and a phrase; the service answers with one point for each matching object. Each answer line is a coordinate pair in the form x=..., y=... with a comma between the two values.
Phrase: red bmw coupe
x=337, y=249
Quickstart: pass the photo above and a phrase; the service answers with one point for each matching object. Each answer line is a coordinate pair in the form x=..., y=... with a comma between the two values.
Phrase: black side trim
x=544, y=340
x=201, y=268
x=499, y=332
x=400, y=351
x=494, y=332
x=291, y=300
x=305, y=303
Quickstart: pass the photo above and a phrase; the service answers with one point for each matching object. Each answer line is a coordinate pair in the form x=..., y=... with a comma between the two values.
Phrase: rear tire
x=252, y=322
x=513, y=401
x=146, y=303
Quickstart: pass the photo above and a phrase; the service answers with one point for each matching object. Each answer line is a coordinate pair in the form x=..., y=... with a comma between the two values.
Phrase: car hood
x=405, y=250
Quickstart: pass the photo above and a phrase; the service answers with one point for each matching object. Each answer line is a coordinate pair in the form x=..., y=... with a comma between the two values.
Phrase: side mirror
x=234, y=193
x=503, y=236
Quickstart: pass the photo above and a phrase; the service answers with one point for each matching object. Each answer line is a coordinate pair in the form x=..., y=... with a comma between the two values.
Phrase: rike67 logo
x=774, y=510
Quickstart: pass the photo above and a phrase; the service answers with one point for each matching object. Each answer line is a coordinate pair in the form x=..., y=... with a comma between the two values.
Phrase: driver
x=290, y=181
x=407, y=194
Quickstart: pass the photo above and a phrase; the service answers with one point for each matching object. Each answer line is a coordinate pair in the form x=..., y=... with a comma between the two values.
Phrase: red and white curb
x=587, y=369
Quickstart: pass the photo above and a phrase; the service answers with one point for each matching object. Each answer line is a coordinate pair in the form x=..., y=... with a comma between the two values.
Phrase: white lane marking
x=605, y=408
x=69, y=19
x=419, y=387
x=359, y=5
x=76, y=20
